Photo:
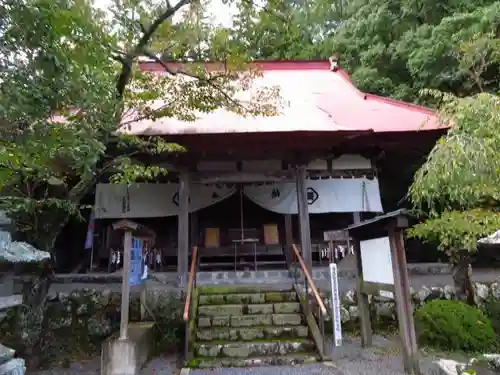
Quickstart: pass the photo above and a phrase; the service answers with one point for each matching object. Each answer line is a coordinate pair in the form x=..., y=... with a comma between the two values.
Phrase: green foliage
x=286, y=29
x=463, y=169
x=391, y=48
x=457, y=230
x=491, y=309
x=398, y=48
x=453, y=325
x=71, y=89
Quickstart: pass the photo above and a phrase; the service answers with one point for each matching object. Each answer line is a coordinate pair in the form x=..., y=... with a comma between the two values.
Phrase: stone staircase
x=249, y=326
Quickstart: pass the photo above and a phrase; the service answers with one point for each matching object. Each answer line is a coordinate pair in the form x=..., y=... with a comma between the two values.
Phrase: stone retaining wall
x=77, y=322
x=385, y=308
x=84, y=317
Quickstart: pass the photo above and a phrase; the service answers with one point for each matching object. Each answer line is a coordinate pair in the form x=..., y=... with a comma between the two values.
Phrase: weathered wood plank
x=303, y=209
x=11, y=301
x=363, y=305
x=403, y=304
x=183, y=229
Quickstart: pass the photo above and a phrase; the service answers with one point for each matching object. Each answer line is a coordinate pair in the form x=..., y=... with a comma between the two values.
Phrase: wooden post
x=303, y=209
x=183, y=230
x=288, y=231
x=127, y=246
x=193, y=229
x=363, y=303
x=403, y=303
x=143, y=300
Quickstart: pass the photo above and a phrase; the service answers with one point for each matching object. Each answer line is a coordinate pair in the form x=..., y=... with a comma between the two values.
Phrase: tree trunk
x=462, y=277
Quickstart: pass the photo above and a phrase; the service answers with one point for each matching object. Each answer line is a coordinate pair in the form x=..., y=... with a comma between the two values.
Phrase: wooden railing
x=188, y=305
x=313, y=302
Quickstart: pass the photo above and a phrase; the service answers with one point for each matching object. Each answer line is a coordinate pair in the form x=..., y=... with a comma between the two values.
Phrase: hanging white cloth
x=114, y=201
x=323, y=196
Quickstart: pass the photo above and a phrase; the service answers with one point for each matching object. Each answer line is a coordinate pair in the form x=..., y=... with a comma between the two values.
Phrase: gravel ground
x=383, y=359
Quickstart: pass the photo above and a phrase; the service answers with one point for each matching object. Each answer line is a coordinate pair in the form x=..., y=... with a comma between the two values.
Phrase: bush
x=491, y=309
x=453, y=325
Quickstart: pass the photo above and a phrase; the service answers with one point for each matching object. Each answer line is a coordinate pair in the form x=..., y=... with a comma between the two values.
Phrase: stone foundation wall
x=77, y=322
x=384, y=309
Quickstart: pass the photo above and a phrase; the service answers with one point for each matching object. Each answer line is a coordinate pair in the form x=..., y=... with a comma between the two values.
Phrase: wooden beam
x=288, y=230
x=194, y=231
x=127, y=248
x=363, y=304
x=403, y=303
x=288, y=240
x=183, y=229
x=303, y=209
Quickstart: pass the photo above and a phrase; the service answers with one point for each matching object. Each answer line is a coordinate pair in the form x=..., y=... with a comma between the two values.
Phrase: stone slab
x=217, y=310
x=286, y=307
x=251, y=287
x=10, y=301
x=236, y=298
x=288, y=319
x=289, y=360
x=252, y=320
x=6, y=352
x=251, y=334
x=127, y=357
x=451, y=367
x=234, y=310
x=281, y=297
x=252, y=349
x=264, y=308
x=15, y=366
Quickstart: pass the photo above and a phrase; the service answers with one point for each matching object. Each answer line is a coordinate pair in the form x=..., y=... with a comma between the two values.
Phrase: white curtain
x=114, y=201
x=323, y=196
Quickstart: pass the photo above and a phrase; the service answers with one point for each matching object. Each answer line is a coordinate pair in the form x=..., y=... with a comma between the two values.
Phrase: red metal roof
x=319, y=100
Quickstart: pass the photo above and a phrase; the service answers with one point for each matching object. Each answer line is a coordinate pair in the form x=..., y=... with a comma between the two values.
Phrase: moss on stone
x=238, y=289
x=194, y=363
x=192, y=320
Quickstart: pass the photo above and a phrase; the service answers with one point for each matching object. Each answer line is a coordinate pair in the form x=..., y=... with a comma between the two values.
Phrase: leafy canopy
x=71, y=88
x=463, y=169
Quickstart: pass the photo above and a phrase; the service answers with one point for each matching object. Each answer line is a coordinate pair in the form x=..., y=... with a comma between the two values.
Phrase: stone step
x=244, y=289
x=263, y=308
x=251, y=320
x=246, y=298
x=252, y=349
x=251, y=334
x=286, y=360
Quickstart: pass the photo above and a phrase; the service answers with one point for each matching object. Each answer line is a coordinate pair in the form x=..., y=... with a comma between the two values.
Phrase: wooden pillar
x=183, y=230
x=403, y=303
x=288, y=242
x=127, y=248
x=363, y=304
x=303, y=209
x=193, y=229
x=288, y=231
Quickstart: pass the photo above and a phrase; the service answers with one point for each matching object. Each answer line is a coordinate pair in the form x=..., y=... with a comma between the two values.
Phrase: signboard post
x=336, y=318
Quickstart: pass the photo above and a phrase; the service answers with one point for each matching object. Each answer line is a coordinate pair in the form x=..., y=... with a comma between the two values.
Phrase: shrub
x=453, y=325
x=491, y=309
x=169, y=327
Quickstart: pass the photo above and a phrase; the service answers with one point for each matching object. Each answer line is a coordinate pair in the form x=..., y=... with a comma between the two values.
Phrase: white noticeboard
x=336, y=319
x=376, y=261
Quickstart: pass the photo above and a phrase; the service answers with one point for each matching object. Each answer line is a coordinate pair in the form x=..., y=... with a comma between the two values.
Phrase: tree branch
x=127, y=62
x=208, y=81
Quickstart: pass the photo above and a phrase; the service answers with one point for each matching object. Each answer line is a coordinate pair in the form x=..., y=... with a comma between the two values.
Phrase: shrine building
x=247, y=188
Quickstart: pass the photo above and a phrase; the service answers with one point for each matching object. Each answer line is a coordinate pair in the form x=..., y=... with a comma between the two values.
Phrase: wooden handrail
x=309, y=280
x=192, y=269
